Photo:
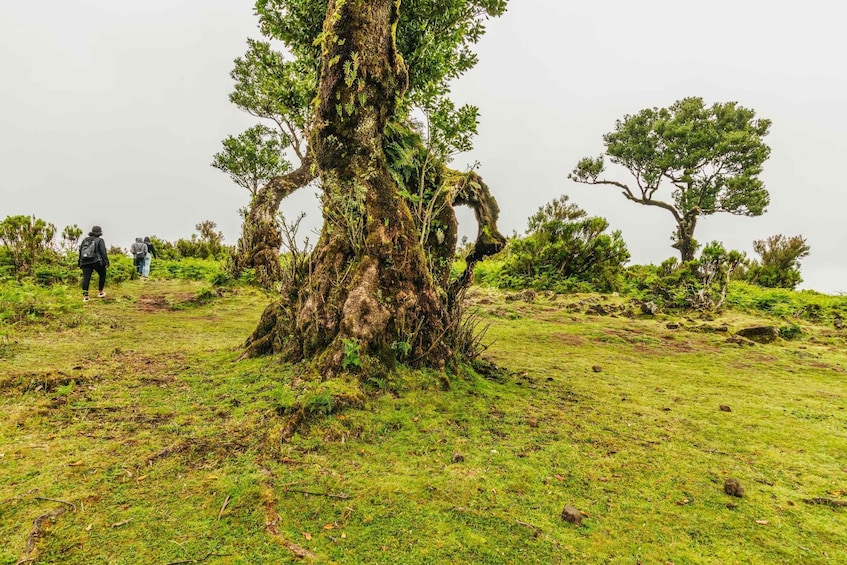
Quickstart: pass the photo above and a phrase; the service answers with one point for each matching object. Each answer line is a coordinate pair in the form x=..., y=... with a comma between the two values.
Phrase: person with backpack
x=151, y=254
x=93, y=257
x=139, y=252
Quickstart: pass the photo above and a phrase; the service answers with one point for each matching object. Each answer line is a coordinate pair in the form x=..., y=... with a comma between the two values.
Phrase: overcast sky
x=110, y=112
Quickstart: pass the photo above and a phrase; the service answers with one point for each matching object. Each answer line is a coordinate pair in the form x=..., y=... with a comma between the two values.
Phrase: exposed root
x=272, y=517
x=38, y=531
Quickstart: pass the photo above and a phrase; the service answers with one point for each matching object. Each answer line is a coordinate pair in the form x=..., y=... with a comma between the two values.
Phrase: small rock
x=572, y=515
x=733, y=487
x=738, y=340
x=458, y=457
x=597, y=309
x=838, y=322
x=649, y=308
x=672, y=325
x=725, y=408
x=596, y=368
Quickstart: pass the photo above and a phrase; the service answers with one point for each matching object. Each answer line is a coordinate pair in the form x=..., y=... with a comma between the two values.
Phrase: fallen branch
x=340, y=496
x=826, y=502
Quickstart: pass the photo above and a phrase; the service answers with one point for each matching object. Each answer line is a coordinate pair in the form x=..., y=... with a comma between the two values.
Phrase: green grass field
x=131, y=435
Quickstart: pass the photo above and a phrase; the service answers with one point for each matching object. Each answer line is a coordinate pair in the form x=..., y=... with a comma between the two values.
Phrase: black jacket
x=102, y=256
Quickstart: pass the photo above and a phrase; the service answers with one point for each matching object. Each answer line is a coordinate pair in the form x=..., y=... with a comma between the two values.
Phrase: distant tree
x=710, y=156
x=563, y=246
x=779, y=263
x=206, y=243
x=26, y=239
x=253, y=158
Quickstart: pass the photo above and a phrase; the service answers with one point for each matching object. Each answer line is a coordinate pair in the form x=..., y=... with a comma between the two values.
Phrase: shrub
x=701, y=284
x=565, y=250
x=779, y=264
x=788, y=304
x=27, y=239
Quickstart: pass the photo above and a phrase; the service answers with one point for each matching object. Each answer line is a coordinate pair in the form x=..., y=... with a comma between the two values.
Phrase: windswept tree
x=708, y=157
x=348, y=99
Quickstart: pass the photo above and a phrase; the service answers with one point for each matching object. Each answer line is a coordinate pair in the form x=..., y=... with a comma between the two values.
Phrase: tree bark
x=684, y=237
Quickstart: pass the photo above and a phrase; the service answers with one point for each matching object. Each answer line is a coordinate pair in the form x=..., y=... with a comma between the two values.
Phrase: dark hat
x=96, y=231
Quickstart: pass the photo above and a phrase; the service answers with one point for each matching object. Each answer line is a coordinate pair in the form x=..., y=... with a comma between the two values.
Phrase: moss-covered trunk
x=684, y=240
x=258, y=247
x=369, y=297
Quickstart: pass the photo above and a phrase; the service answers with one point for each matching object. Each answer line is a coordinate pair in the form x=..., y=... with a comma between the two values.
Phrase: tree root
x=272, y=517
x=38, y=531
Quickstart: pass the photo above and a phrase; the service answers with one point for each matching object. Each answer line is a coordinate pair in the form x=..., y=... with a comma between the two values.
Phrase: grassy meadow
x=130, y=434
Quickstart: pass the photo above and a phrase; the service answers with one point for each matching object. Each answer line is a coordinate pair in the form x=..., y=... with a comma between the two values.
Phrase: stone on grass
x=649, y=308
x=458, y=457
x=759, y=334
x=572, y=515
x=733, y=487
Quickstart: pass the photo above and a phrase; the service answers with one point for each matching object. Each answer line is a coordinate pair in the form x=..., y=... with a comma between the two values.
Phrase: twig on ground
x=536, y=531
x=223, y=507
x=199, y=559
x=71, y=504
x=20, y=496
x=122, y=523
x=340, y=496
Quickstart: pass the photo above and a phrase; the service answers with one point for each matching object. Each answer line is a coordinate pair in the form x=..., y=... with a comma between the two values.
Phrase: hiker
x=93, y=257
x=139, y=252
x=151, y=253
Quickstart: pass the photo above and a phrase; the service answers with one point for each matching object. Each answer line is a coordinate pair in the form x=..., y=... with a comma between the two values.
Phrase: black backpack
x=88, y=251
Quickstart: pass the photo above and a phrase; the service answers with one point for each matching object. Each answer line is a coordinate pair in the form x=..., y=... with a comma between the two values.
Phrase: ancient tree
x=363, y=100
x=709, y=157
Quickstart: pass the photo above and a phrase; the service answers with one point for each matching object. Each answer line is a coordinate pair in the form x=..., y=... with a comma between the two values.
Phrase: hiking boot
x=101, y=294
x=85, y=298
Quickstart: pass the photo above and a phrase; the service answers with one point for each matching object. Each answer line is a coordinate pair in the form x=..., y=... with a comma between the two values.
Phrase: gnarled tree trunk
x=369, y=288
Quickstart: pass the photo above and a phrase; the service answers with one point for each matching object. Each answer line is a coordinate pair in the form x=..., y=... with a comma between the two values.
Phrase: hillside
x=130, y=434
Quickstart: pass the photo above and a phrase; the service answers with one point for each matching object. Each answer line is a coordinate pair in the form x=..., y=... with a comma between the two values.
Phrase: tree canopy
x=708, y=157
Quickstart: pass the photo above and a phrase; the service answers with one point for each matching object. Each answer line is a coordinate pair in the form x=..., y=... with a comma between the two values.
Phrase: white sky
x=110, y=112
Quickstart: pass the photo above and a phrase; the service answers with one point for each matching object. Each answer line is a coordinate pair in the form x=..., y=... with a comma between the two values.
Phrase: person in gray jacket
x=139, y=252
